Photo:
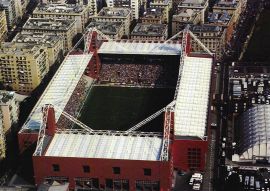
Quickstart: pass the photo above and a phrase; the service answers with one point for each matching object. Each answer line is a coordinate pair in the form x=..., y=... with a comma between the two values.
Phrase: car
x=197, y=177
x=223, y=153
x=191, y=181
x=246, y=183
x=196, y=186
x=252, y=183
x=229, y=168
x=258, y=185
x=213, y=124
x=240, y=178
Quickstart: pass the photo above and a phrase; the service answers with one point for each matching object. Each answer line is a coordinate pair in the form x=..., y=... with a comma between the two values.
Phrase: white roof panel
x=113, y=47
x=105, y=146
x=192, y=100
x=254, y=126
x=59, y=89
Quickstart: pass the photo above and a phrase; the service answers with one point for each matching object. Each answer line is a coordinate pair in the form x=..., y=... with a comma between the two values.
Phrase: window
x=87, y=183
x=147, y=185
x=56, y=167
x=194, y=158
x=147, y=171
x=116, y=170
x=86, y=169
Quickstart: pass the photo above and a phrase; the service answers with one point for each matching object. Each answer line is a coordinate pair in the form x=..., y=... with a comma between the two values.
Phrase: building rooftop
x=106, y=27
x=226, y=3
x=59, y=89
x=2, y=13
x=249, y=85
x=192, y=3
x=114, y=12
x=19, y=48
x=160, y=2
x=6, y=96
x=145, y=29
x=48, y=24
x=140, y=48
x=254, y=132
x=153, y=13
x=5, y=3
x=191, y=109
x=205, y=28
x=32, y=37
x=185, y=15
x=105, y=147
x=59, y=8
x=219, y=18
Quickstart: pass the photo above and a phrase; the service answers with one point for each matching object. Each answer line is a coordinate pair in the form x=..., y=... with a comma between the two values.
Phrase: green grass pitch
x=119, y=108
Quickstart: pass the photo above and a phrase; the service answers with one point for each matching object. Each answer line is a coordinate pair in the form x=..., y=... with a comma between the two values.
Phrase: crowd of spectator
x=163, y=75
x=73, y=105
x=137, y=74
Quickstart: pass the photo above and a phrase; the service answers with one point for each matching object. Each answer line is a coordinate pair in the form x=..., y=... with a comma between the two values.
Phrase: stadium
x=119, y=105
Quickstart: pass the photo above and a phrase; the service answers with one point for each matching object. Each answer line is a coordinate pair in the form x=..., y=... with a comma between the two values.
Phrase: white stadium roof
x=59, y=89
x=146, y=48
x=254, y=139
x=105, y=146
x=191, y=107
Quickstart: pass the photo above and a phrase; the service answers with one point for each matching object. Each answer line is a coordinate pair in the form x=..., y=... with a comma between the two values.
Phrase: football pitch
x=119, y=108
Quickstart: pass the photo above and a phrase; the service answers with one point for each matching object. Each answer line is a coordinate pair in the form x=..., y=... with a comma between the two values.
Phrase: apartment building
x=195, y=5
x=9, y=112
x=92, y=7
x=111, y=14
x=24, y=4
x=10, y=10
x=134, y=5
x=60, y=27
x=230, y=6
x=53, y=1
x=154, y=16
x=2, y=140
x=3, y=26
x=9, y=108
x=213, y=37
x=79, y=13
x=144, y=31
x=165, y=5
x=53, y=43
x=114, y=30
x=90, y=4
x=23, y=65
x=184, y=17
x=223, y=19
